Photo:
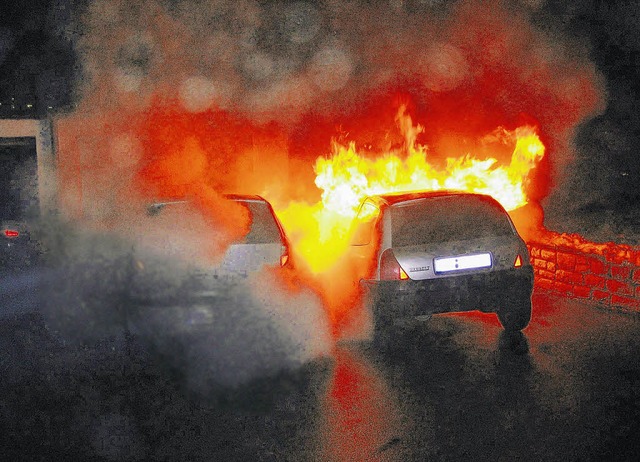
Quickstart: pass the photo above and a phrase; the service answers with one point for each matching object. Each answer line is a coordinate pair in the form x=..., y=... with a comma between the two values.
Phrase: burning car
x=441, y=251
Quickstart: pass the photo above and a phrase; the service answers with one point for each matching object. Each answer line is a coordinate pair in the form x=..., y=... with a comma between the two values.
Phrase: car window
x=451, y=218
x=264, y=229
x=365, y=224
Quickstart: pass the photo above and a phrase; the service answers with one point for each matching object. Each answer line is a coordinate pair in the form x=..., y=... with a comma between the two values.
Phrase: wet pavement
x=455, y=388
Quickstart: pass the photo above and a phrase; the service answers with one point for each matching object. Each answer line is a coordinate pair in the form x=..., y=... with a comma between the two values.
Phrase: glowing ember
x=320, y=232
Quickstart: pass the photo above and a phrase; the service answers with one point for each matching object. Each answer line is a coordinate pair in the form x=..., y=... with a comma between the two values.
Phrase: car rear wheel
x=516, y=316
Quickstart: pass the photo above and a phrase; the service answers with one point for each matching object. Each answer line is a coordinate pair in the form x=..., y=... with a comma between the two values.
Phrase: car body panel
x=263, y=246
x=249, y=258
x=484, y=291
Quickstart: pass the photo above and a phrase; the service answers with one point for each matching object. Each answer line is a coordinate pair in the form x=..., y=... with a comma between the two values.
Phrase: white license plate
x=462, y=262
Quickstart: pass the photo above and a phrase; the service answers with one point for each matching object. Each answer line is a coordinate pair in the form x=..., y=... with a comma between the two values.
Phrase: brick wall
x=608, y=274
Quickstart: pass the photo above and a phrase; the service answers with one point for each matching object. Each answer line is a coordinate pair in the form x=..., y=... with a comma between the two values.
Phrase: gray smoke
x=102, y=286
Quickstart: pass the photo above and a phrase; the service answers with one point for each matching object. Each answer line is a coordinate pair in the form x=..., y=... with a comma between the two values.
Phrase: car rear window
x=450, y=218
x=264, y=229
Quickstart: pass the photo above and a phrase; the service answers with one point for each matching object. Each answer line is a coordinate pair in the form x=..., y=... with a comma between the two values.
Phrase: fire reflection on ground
x=461, y=388
x=362, y=420
x=385, y=406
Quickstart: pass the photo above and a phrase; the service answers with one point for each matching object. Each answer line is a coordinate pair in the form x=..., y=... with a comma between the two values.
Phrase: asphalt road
x=455, y=388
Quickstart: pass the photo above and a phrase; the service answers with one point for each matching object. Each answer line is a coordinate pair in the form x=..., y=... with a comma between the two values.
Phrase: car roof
x=233, y=197
x=245, y=197
x=407, y=196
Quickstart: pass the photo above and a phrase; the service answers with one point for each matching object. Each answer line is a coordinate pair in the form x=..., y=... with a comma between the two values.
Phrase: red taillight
x=11, y=233
x=284, y=256
x=390, y=268
x=518, y=262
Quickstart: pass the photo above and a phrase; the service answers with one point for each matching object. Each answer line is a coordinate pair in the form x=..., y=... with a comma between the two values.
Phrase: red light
x=11, y=233
x=284, y=257
x=518, y=262
x=390, y=268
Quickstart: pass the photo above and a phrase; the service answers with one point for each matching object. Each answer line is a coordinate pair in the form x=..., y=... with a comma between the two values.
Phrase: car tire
x=517, y=316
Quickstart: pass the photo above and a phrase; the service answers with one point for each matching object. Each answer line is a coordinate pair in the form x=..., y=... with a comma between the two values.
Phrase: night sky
x=40, y=69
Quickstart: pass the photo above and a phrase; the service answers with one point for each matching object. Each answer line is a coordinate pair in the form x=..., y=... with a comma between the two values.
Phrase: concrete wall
x=608, y=275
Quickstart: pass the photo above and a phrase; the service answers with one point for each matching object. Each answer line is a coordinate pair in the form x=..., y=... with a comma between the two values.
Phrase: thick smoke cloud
x=324, y=69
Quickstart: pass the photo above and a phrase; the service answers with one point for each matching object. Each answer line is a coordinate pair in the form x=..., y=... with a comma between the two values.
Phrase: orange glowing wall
x=607, y=274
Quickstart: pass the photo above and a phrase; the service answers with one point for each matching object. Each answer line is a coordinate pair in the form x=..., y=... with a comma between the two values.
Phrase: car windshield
x=450, y=218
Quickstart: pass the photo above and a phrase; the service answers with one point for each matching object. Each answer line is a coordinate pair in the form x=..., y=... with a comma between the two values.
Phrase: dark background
x=37, y=59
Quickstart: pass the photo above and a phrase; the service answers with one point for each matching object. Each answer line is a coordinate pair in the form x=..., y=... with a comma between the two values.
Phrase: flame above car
x=347, y=176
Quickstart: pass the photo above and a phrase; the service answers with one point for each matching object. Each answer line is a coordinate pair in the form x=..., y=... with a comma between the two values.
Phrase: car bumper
x=486, y=291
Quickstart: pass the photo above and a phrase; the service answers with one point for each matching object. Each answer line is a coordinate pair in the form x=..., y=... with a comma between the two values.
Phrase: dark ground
x=457, y=388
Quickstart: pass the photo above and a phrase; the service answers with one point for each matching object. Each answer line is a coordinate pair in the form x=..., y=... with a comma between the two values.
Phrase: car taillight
x=518, y=262
x=390, y=268
x=11, y=233
x=284, y=255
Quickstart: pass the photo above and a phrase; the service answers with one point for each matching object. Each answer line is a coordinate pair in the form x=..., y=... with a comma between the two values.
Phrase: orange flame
x=320, y=232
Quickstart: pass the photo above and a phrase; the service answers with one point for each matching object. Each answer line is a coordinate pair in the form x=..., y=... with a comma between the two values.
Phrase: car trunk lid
x=440, y=260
